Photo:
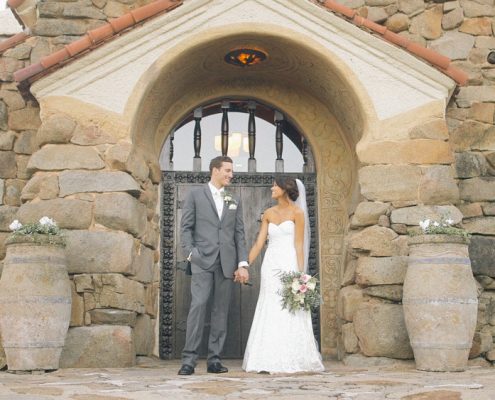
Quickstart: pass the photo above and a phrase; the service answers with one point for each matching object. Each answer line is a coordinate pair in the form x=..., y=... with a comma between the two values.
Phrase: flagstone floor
x=157, y=379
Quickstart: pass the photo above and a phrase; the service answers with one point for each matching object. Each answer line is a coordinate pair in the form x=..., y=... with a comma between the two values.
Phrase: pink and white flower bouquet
x=300, y=291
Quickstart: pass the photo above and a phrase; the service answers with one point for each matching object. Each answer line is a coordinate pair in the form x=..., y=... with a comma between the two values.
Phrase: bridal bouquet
x=299, y=291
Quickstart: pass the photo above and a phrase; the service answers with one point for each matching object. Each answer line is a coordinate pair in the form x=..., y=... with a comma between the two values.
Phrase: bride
x=281, y=342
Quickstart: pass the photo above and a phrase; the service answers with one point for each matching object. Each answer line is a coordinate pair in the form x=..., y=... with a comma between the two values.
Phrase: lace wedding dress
x=280, y=342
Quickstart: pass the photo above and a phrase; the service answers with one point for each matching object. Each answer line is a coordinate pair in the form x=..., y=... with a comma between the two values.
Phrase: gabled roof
x=115, y=27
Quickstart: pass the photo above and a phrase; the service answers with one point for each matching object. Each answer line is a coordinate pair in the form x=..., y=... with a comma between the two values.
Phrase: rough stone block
x=151, y=235
x=381, y=331
x=84, y=283
x=99, y=346
x=480, y=225
x=475, y=94
x=477, y=189
x=13, y=99
x=376, y=240
x=8, y=66
x=2, y=190
x=349, y=338
x=367, y=213
x=121, y=211
x=482, y=255
x=415, y=151
x=488, y=209
x=109, y=316
x=398, y=23
x=473, y=135
x=7, y=140
x=26, y=143
x=483, y=112
x=117, y=156
x=349, y=300
x=411, y=6
x=386, y=292
x=349, y=273
x=57, y=128
x=412, y=215
x=471, y=210
x=57, y=27
x=429, y=23
x=438, y=185
x=13, y=189
x=381, y=270
x=77, y=307
x=436, y=129
x=482, y=343
x=143, y=265
x=42, y=185
x=67, y=213
x=8, y=167
x=115, y=291
x=86, y=181
x=454, y=45
x=7, y=215
x=91, y=135
x=21, y=163
x=478, y=8
x=470, y=165
x=99, y=252
x=152, y=298
x=24, y=119
x=390, y=183
x=143, y=335
x=65, y=156
x=477, y=26
x=452, y=20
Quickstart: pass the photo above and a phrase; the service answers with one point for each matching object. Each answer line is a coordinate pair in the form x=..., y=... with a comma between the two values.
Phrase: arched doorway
x=262, y=141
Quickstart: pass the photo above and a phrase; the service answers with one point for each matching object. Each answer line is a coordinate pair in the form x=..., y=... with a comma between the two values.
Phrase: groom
x=212, y=234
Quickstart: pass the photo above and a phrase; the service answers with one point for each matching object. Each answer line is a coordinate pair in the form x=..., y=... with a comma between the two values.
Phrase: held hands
x=241, y=275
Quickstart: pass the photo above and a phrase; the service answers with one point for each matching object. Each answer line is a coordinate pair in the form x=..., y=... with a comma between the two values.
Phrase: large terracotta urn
x=35, y=302
x=440, y=302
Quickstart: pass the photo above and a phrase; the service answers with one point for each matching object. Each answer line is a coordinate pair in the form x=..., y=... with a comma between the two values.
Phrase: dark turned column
x=171, y=153
x=252, y=136
x=198, y=114
x=225, y=127
x=279, y=142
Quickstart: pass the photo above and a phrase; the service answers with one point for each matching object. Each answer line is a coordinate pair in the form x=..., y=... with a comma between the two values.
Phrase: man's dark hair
x=218, y=161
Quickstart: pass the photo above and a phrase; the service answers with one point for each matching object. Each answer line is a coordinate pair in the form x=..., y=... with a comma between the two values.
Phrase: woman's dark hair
x=289, y=185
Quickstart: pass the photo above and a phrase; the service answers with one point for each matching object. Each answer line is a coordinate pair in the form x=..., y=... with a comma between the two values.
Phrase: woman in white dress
x=279, y=341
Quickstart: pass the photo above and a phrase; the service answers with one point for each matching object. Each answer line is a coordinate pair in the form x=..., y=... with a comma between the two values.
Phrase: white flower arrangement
x=45, y=227
x=299, y=291
x=443, y=227
x=229, y=200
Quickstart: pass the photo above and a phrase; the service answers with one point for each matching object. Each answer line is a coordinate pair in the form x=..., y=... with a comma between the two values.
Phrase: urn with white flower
x=440, y=297
x=35, y=296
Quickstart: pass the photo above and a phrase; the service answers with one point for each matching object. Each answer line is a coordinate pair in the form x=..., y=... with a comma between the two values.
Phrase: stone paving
x=156, y=379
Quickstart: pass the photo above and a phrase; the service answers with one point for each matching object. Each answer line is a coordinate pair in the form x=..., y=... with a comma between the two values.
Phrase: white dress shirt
x=218, y=198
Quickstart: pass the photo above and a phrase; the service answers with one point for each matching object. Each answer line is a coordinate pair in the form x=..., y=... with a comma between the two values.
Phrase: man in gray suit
x=212, y=235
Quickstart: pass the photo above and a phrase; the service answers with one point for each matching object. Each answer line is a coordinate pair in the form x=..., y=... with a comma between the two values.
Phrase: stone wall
x=372, y=283
x=105, y=196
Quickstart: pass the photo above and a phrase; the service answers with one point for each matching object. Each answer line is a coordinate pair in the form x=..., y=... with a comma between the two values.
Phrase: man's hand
x=241, y=275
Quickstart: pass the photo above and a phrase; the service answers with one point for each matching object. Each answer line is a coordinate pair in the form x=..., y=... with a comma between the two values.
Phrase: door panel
x=254, y=190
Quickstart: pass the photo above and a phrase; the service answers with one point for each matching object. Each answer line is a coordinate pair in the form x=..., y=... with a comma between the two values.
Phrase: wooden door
x=254, y=190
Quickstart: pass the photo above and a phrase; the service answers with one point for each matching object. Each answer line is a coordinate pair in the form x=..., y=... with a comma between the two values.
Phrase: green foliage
x=41, y=232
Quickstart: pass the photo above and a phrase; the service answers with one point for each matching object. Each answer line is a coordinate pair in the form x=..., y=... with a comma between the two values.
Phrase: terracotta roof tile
x=95, y=37
x=436, y=59
x=14, y=40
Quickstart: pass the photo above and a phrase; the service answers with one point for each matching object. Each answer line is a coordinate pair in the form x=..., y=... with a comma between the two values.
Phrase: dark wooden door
x=254, y=190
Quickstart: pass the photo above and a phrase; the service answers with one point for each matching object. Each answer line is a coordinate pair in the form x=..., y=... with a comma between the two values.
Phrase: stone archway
x=326, y=78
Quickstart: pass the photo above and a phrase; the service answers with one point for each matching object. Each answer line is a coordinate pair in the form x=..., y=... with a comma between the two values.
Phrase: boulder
x=381, y=270
x=470, y=210
x=436, y=129
x=143, y=265
x=77, y=307
x=349, y=338
x=7, y=215
x=483, y=112
x=99, y=346
x=477, y=8
x=482, y=343
x=477, y=26
x=411, y=6
x=482, y=255
x=122, y=212
x=438, y=186
x=99, y=252
x=386, y=292
x=13, y=189
x=7, y=140
x=71, y=182
x=7, y=164
x=110, y=316
x=143, y=335
x=67, y=213
x=455, y=45
x=477, y=189
x=470, y=165
x=24, y=119
x=473, y=135
x=376, y=240
x=480, y=225
x=65, y=156
x=390, y=182
x=381, y=331
x=429, y=23
x=367, y=213
x=349, y=300
x=57, y=128
x=452, y=20
x=475, y=94
x=26, y=143
x=412, y=215
x=42, y=185
x=2, y=190
x=91, y=136
x=398, y=23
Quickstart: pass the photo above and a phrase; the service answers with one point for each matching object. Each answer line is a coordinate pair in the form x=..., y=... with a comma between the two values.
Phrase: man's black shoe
x=217, y=368
x=186, y=370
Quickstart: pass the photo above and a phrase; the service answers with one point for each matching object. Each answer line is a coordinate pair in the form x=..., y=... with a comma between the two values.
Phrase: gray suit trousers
x=205, y=283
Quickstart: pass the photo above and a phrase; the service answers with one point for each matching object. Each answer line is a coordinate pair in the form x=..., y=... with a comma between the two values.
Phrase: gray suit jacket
x=204, y=235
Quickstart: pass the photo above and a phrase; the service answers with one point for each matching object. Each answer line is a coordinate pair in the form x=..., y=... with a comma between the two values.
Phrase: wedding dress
x=280, y=342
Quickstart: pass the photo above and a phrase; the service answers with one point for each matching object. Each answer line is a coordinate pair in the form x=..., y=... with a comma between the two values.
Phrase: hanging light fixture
x=245, y=57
